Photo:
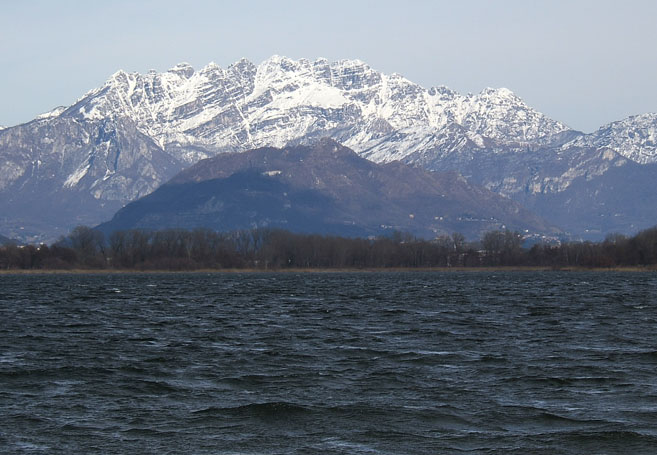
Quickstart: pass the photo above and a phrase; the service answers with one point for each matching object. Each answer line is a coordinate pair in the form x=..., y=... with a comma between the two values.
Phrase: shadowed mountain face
x=622, y=199
x=324, y=188
x=587, y=192
x=6, y=240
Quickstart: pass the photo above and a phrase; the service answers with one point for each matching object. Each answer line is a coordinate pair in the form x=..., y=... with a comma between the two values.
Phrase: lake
x=329, y=363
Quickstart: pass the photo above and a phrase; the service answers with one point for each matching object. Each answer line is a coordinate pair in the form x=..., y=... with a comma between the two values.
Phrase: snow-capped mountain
x=78, y=164
x=282, y=100
x=635, y=138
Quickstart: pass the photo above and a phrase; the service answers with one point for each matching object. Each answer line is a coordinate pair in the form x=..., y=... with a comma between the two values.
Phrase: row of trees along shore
x=85, y=248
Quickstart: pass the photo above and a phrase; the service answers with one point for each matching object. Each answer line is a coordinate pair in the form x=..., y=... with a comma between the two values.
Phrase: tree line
x=265, y=249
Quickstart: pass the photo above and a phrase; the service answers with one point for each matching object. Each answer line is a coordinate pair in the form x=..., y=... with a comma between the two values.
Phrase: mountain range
x=81, y=163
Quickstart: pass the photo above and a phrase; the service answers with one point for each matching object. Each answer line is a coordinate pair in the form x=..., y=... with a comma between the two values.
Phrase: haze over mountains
x=81, y=163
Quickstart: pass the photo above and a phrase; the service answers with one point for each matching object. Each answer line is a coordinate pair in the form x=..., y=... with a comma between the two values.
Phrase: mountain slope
x=587, y=191
x=325, y=188
x=622, y=199
x=635, y=138
x=58, y=173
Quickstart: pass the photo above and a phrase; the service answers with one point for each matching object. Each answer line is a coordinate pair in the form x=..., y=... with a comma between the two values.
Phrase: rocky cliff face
x=59, y=172
x=122, y=140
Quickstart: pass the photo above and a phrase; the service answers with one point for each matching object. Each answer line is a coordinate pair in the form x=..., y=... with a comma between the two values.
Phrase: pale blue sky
x=585, y=63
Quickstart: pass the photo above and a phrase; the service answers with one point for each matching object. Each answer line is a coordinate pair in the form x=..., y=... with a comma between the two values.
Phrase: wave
x=147, y=431
x=630, y=440
x=267, y=410
x=150, y=386
x=551, y=418
x=79, y=372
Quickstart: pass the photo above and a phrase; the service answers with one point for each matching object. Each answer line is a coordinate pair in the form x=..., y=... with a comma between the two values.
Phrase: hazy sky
x=585, y=63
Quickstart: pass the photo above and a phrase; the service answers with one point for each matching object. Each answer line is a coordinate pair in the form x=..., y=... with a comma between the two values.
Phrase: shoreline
x=632, y=269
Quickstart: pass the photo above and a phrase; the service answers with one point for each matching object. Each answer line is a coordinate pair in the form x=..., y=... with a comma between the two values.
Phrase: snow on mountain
x=282, y=100
x=634, y=138
x=53, y=113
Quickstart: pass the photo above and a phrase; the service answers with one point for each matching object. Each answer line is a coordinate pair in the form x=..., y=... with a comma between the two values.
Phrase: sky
x=583, y=62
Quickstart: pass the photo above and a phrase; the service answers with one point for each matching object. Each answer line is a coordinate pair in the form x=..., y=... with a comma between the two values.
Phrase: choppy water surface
x=355, y=363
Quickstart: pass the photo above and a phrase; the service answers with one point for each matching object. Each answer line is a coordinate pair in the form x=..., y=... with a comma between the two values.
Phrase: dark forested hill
x=323, y=188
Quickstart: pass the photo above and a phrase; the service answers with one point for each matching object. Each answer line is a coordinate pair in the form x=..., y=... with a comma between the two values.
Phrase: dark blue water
x=355, y=363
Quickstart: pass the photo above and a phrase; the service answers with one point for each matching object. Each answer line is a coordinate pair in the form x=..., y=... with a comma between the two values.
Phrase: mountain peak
x=353, y=62
x=500, y=92
x=211, y=67
x=282, y=62
x=118, y=76
x=242, y=63
x=183, y=69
